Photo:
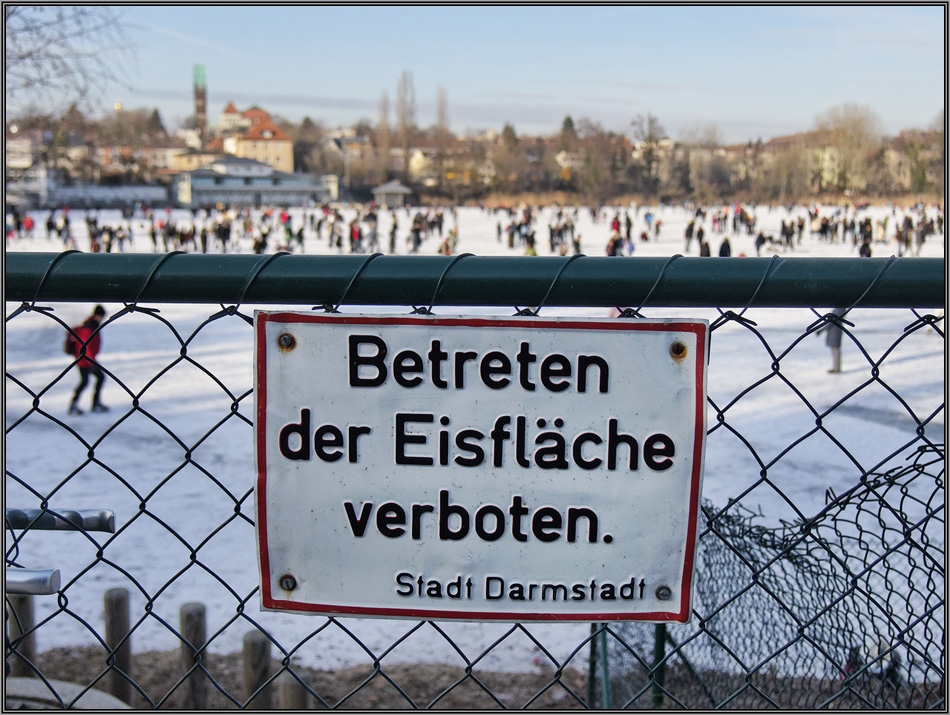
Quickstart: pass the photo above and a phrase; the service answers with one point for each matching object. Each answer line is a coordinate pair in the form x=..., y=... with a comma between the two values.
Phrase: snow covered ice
x=140, y=471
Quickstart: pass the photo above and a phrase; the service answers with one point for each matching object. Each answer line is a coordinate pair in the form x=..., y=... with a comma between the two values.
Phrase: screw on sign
x=678, y=351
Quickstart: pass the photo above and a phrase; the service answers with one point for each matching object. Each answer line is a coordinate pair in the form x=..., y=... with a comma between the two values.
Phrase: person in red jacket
x=87, y=348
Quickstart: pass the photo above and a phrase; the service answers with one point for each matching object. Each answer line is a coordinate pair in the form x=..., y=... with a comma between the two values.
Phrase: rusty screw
x=664, y=593
x=678, y=350
x=288, y=582
x=286, y=341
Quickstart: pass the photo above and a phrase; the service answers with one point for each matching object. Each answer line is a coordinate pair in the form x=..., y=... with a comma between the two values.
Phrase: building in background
x=232, y=180
x=26, y=176
x=253, y=135
x=392, y=194
x=231, y=120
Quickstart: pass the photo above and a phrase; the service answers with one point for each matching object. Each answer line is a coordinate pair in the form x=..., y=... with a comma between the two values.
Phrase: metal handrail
x=481, y=280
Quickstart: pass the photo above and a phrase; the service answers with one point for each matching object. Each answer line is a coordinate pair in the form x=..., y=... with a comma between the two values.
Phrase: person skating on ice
x=88, y=344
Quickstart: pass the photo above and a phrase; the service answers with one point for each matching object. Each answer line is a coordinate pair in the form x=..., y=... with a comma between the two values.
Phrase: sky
x=749, y=71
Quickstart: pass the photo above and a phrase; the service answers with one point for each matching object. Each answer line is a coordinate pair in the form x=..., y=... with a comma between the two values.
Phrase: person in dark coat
x=725, y=248
x=688, y=234
x=615, y=245
x=833, y=340
x=88, y=344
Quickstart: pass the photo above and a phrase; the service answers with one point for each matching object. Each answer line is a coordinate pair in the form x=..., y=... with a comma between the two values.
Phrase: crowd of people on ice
x=275, y=228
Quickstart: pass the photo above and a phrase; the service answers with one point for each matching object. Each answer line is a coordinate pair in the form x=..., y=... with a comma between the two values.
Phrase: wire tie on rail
x=25, y=307
x=839, y=320
x=438, y=286
x=727, y=315
x=867, y=290
x=738, y=317
x=327, y=307
x=635, y=312
x=553, y=283
x=49, y=269
x=768, y=270
x=151, y=274
x=832, y=318
x=261, y=264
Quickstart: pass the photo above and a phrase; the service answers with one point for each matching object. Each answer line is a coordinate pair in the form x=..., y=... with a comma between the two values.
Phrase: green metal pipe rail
x=377, y=279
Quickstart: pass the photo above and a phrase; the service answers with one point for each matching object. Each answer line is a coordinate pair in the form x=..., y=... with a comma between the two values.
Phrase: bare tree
x=507, y=160
x=706, y=137
x=405, y=116
x=854, y=132
x=786, y=179
x=61, y=56
x=648, y=134
x=707, y=176
x=383, y=139
x=567, y=138
x=441, y=131
x=939, y=152
x=600, y=152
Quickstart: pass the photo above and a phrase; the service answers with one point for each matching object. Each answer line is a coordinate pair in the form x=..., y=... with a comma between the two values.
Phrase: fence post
x=291, y=695
x=194, y=634
x=592, y=666
x=119, y=641
x=20, y=620
x=605, y=691
x=256, y=670
x=659, y=666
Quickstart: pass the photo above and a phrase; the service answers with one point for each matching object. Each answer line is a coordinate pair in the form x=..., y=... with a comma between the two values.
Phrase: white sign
x=481, y=469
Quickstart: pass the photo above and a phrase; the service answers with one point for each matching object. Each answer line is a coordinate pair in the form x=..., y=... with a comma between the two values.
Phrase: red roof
x=259, y=128
x=256, y=114
x=230, y=109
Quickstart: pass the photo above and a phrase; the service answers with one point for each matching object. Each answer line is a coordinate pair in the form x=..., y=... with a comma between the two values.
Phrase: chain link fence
x=819, y=577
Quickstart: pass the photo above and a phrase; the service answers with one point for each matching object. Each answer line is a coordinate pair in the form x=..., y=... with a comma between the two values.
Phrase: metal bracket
x=34, y=582
x=63, y=520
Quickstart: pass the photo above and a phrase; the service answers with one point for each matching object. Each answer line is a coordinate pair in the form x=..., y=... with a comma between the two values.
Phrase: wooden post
x=194, y=633
x=292, y=695
x=118, y=640
x=659, y=665
x=256, y=670
x=20, y=620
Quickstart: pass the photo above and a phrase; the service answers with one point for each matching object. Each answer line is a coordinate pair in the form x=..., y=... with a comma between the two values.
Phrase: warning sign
x=481, y=469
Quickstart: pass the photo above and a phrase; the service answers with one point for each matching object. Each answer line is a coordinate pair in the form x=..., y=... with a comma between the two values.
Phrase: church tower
x=201, y=103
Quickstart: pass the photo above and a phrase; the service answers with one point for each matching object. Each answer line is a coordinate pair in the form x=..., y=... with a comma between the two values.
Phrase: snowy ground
x=135, y=457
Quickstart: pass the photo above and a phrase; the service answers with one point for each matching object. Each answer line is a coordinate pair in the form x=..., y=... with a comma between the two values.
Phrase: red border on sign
x=268, y=601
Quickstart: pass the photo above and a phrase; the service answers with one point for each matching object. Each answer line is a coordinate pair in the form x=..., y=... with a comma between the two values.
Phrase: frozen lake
x=140, y=469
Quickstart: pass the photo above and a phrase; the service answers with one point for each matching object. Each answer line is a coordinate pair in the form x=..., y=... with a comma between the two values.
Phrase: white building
x=235, y=181
x=26, y=178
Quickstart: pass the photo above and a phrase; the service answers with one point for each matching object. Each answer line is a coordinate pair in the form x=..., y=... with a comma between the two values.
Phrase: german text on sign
x=482, y=469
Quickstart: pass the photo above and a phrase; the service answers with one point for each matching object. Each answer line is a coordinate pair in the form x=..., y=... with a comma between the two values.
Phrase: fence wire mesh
x=820, y=567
